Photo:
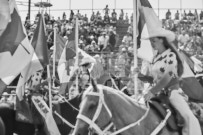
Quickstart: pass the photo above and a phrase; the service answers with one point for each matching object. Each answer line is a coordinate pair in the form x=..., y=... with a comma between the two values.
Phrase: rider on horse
x=166, y=70
x=83, y=74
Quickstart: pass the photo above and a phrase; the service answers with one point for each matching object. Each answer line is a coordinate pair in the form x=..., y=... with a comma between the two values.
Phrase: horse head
x=93, y=114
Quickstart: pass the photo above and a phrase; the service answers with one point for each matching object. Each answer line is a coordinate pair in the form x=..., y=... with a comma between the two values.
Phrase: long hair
x=173, y=49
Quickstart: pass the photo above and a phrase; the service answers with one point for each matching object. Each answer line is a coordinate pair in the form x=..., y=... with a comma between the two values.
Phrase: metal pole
x=92, y=5
x=49, y=8
x=29, y=6
x=158, y=8
x=69, y=4
x=180, y=7
x=115, y=4
x=135, y=4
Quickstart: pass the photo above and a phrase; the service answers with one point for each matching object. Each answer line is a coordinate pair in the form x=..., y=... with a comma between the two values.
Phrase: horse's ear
x=94, y=85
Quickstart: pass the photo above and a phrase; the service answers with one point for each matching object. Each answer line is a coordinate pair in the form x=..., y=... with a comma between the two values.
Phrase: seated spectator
x=183, y=39
x=127, y=38
x=103, y=41
x=130, y=29
x=85, y=19
x=168, y=14
x=106, y=19
x=93, y=47
x=114, y=20
x=112, y=40
x=177, y=15
x=190, y=15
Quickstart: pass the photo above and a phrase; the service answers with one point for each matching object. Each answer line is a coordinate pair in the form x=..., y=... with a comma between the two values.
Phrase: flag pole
x=54, y=58
x=76, y=51
x=49, y=85
x=135, y=43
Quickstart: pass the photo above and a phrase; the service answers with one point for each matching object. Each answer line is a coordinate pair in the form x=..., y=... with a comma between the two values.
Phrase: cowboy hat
x=169, y=35
x=86, y=60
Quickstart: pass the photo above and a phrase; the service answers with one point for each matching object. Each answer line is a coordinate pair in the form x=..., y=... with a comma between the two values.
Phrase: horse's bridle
x=92, y=123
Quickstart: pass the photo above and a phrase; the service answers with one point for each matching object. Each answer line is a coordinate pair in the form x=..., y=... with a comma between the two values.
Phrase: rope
x=68, y=102
x=64, y=120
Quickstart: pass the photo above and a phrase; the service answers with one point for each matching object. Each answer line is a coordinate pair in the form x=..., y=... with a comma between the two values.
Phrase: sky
x=86, y=6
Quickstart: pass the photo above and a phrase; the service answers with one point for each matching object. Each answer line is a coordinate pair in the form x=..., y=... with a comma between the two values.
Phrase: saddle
x=160, y=104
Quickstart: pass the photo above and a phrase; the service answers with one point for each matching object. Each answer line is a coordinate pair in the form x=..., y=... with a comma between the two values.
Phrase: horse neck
x=124, y=110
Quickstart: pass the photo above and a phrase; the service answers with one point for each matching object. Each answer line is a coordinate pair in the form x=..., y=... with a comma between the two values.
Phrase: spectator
x=126, y=18
x=92, y=18
x=79, y=15
x=190, y=15
x=71, y=15
x=114, y=20
x=52, y=20
x=64, y=16
x=103, y=41
x=168, y=14
x=184, y=15
x=177, y=15
x=121, y=15
x=183, y=39
x=114, y=14
x=85, y=19
x=106, y=10
x=106, y=19
x=201, y=15
x=112, y=40
x=127, y=38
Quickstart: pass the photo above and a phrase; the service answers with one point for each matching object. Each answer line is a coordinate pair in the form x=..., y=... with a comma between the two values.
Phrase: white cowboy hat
x=169, y=35
x=86, y=60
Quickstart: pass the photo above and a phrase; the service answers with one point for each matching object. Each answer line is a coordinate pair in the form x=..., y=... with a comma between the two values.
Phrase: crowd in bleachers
x=99, y=34
x=189, y=30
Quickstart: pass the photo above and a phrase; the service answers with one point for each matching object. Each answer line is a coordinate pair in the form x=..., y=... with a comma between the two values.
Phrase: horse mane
x=123, y=96
x=112, y=91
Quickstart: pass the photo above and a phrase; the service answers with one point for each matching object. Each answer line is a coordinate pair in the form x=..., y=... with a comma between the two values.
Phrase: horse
x=129, y=117
x=10, y=125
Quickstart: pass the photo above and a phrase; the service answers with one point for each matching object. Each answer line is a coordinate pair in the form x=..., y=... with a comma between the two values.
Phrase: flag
x=13, y=34
x=60, y=44
x=39, y=58
x=4, y=15
x=147, y=23
x=190, y=84
x=39, y=42
x=15, y=49
x=38, y=62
